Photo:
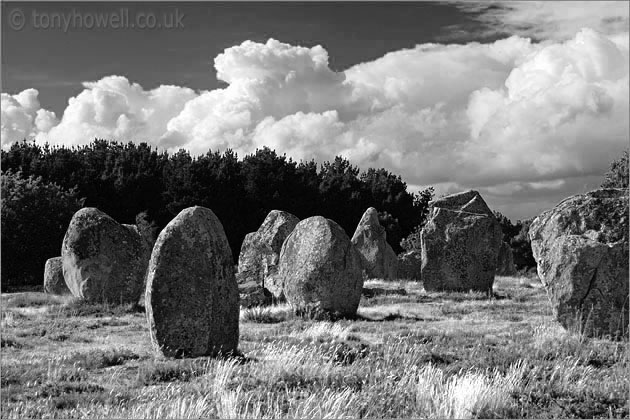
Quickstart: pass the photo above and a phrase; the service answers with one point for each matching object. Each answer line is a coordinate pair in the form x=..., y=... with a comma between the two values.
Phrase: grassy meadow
x=409, y=354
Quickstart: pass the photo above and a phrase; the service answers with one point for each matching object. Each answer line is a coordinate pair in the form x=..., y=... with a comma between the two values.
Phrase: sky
x=526, y=102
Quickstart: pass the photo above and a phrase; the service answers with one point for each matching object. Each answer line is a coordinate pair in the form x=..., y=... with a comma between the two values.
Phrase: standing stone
x=581, y=249
x=102, y=260
x=377, y=257
x=54, y=283
x=261, y=249
x=192, y=300
x=460, y=244
x=505, y=261
x=147, y=247
x=410, y=265
x=320, y=270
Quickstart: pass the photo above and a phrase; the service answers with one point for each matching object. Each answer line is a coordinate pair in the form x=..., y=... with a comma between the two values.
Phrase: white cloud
x=22, y=117
x=551, y=20
x=272, y=80
x=113, y=108
x=512, y=118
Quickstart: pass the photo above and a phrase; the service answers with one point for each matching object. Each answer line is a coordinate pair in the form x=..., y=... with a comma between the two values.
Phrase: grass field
x=417, y=354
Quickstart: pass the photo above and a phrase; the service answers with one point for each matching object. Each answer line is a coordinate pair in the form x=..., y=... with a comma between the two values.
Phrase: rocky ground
x=411, y=354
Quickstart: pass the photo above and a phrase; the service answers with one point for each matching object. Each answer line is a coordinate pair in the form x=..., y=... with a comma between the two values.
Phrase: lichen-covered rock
x=320, y=270
x=377, y=257
x=581, y=250
x=275, y=284
x=252, y=294
x=102, y=260
x=147, y=244
x=147, y=247
x=505, y=261
x=54, y=283
x=260, y=250
x=192, y=300
x=460, y=244
x=410, y=265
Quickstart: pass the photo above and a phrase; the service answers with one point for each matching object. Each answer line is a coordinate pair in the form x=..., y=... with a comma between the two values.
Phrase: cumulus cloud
x=272, y=80
x=512, y=118
x=23, y=118
x=116, y=109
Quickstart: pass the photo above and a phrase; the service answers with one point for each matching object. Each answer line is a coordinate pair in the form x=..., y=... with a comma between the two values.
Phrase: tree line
x=43, y=186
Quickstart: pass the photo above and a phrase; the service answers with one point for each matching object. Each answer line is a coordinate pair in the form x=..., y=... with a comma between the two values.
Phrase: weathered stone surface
x=147, y=242
x=505, y=261
x=275, y=284
x=460, y=244
x=377, y=257
x=102, y=260
x=252, y=294
x=54, y=283
x=260, y=250
x=192, y=300
x=410, y=265
x=581, y=249
x=320, y=270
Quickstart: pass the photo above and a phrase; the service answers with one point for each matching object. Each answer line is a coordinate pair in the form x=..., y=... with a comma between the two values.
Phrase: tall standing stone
x=54, y=283
x=102, y=260
x=320, y=270
x=377, y=257
x=260, y=250
x=581, y=249
x=191, y=296
x=460, y=244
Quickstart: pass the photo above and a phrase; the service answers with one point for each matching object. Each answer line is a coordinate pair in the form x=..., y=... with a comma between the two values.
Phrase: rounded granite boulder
x=581, y=250
x=320, y=271
x=102, y=260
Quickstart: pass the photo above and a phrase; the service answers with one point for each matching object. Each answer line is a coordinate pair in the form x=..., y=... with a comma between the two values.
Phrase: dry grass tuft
x=423, y=355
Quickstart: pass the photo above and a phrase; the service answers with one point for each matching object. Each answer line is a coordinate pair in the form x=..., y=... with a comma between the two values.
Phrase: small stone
x=54, y=283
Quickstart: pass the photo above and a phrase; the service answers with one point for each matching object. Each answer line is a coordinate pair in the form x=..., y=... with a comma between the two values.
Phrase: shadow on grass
x=391, y=317
x=98, y=310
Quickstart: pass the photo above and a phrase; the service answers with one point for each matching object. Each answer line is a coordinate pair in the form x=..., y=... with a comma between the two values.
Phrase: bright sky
x=526, y=102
